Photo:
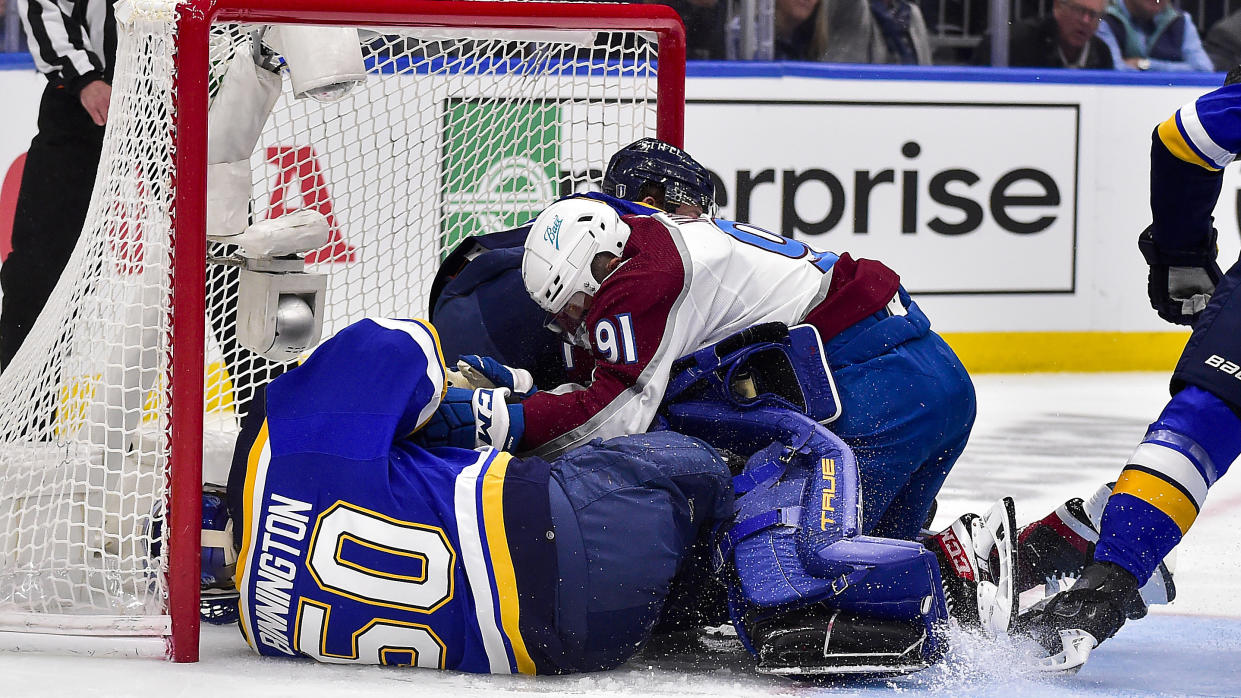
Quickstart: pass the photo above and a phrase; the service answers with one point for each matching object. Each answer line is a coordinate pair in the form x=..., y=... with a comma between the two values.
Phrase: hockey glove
x=1180, y=283
x=473, y=418
x=486, y=372
x=497, y=423
x=1074, y=622
x=452, y=424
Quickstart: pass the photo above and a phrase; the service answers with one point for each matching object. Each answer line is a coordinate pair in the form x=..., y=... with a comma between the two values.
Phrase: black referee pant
x=51, y=207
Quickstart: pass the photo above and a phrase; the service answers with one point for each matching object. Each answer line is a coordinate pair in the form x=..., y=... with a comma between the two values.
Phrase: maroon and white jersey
x=685, y=284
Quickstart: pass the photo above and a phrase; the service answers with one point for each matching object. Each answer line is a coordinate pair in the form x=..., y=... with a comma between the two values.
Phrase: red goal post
x=135, y=359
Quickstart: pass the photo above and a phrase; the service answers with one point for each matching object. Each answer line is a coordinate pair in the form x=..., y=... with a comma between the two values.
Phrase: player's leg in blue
x=624, y=512
x=1163, y=486
x=1187, y=449
x=1165, y=482
x=907, y=409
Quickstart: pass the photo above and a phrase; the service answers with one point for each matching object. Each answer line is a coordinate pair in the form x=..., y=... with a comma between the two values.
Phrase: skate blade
x=996, y=591
x=1077, y=646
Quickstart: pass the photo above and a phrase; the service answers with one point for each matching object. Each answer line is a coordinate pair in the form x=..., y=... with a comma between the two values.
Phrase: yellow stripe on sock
x=1160, y=494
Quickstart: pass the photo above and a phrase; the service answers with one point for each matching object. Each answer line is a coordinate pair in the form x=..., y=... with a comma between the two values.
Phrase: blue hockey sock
x=1165, y=482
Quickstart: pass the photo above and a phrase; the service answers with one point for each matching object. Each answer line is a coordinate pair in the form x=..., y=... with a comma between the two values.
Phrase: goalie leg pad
x=795, y=551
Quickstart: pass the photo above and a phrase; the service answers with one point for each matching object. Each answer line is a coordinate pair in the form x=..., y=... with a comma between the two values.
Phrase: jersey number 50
x=382, y=641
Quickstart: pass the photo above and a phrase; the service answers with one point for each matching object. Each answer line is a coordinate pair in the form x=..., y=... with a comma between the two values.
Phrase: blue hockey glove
x=470, y=418
x=486, y=372
x=1180, y=283
x=452, y=424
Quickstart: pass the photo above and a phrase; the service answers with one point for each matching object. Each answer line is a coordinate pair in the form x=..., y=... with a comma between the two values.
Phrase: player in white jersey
x=640, y=288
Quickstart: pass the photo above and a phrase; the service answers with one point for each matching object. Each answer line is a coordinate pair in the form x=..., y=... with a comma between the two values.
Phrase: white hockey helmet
x=562, y=243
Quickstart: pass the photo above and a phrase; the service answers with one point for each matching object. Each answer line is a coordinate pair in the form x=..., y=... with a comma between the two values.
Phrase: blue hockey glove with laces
x=472, y=418
x=486, y=372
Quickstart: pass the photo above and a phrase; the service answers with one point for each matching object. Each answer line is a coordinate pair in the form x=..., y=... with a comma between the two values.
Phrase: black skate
x=1070, y=624
x=1058, y=547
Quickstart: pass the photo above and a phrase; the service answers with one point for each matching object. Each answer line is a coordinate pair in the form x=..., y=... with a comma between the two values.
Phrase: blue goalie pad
x=769, y=364
x=795, y=549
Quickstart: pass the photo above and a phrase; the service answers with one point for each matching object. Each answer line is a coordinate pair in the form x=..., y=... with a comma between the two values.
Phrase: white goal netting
x=453, y=132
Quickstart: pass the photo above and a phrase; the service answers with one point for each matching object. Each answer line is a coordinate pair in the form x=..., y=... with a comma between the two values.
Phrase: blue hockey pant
x=907, y=409
x=624, y=512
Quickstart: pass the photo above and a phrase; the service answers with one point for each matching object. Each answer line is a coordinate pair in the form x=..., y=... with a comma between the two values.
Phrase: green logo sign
x=501, y=164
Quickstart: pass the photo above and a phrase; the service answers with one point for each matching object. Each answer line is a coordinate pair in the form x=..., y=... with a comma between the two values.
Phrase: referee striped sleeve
x=68, y=46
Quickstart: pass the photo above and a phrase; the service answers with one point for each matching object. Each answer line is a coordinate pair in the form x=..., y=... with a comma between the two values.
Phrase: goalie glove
x=486, y=372
x=473, y=418
x=1180, y=282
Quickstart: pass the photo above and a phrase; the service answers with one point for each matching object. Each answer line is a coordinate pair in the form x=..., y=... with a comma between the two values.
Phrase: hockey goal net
x=131, y=386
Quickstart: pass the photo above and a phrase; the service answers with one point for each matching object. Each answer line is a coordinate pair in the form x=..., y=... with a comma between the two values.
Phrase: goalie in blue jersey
x=358, y=545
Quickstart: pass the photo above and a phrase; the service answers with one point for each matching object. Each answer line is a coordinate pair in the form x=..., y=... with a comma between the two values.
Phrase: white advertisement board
x=907, y=182
x=1005, y=206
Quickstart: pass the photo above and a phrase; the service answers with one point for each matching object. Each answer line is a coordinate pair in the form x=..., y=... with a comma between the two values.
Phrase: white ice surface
x=1041, y=438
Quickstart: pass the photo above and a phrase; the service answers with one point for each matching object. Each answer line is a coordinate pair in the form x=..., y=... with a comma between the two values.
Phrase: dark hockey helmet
x=684, y=179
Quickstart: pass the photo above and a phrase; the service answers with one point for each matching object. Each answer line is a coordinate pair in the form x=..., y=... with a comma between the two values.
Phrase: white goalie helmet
x=555, y=267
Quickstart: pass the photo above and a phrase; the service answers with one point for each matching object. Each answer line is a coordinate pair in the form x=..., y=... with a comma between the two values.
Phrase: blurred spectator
x=876, y=31
x=845, y=31
x=1066, y=39
x=800, y=30
x=1223, y=42
x=1152, y=35
x=705, y=22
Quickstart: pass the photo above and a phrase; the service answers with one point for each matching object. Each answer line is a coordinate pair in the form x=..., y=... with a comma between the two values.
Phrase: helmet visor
x=568, y=320
x=677, y=194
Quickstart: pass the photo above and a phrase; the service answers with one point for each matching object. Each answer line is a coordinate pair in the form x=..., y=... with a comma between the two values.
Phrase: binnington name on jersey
x=284, y=523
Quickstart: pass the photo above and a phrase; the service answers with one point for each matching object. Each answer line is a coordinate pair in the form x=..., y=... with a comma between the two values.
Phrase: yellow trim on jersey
x=1172, y=138
x=439, y=353
x=1160, y=494
x=252, y=468
x=501, y=561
